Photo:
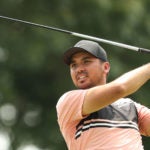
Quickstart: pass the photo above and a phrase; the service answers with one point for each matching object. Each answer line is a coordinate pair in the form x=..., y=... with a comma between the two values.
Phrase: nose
x=80, y=68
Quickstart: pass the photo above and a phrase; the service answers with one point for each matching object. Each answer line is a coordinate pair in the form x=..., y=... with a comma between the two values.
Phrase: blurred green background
x=33, y=75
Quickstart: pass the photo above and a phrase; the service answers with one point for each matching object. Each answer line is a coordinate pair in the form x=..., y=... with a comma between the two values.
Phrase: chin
x=86, y=86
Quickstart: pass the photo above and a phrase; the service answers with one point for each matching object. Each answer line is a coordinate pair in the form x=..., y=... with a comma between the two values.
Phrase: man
x=97, y=116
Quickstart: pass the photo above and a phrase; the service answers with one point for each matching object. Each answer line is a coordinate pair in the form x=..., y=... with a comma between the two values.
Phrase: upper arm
x=101, y=96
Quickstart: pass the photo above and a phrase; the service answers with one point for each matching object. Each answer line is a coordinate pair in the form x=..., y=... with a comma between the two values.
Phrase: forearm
x=134, y=79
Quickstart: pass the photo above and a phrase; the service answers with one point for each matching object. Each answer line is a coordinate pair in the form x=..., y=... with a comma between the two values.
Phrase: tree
x=32, y=74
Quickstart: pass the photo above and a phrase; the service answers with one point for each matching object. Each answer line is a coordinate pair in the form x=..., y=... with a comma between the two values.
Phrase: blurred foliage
x=32, y=73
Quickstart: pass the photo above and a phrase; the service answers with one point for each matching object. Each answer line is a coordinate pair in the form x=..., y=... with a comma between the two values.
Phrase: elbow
x=121, y=90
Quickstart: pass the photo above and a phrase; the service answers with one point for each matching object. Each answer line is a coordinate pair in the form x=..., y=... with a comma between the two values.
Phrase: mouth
x=81, y=78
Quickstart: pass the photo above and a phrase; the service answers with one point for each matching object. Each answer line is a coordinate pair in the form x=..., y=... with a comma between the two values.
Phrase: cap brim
x=70, y=52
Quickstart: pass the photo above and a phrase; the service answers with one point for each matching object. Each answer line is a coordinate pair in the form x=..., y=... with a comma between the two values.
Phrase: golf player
x=98, y=115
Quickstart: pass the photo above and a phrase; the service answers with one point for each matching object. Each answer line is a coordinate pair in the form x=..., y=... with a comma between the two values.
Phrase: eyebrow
x=84, y=58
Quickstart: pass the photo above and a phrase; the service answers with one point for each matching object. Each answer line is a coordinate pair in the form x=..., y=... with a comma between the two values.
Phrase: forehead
x=81, y=55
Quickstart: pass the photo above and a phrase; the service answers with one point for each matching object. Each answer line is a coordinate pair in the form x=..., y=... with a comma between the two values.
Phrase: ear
x=106, y=67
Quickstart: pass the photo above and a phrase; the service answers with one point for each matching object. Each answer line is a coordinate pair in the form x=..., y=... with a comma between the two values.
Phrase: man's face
x=88, y=71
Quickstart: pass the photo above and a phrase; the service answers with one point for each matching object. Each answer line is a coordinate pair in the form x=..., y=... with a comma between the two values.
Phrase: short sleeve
x=143, y=119
x=69, y=107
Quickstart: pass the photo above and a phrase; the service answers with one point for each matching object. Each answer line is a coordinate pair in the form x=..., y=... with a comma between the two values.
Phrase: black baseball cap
x=85, y=45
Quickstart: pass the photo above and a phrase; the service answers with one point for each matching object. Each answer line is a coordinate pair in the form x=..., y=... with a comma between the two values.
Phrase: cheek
x=96, y=74
x=72, y=74
x=96, y=71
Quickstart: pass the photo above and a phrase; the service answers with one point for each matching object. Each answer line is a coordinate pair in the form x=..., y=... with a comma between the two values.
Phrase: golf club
x=134, y=48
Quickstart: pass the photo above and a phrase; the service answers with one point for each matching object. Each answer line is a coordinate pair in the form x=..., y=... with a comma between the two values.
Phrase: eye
x=73, y=65
x=87, y=61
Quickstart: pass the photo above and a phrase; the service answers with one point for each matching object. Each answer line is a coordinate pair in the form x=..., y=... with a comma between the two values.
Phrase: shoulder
x=70, y=96
x=69, y=106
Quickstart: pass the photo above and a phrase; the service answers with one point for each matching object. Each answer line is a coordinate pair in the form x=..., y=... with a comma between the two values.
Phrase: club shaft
x=134, y=48
x=35, y=24
x=106, y=41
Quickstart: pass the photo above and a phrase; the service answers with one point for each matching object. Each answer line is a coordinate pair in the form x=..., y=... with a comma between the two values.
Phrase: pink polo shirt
x=115, y=127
